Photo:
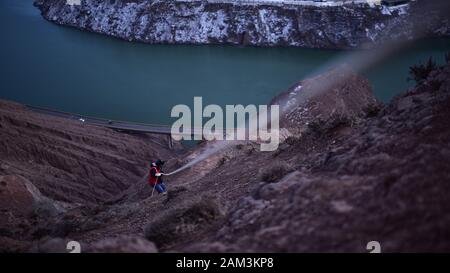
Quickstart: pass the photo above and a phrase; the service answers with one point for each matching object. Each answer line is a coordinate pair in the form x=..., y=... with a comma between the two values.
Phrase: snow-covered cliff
x=203, y=22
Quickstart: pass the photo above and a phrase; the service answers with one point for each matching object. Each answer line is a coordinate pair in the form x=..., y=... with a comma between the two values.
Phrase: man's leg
x=159, y=188
x=163, y=186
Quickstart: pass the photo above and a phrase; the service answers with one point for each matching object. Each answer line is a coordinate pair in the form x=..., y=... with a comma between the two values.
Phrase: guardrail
x=117, y=124
x=113, y=124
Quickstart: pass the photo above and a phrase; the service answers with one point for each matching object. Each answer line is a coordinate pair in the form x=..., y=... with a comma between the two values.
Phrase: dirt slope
x=360, y=172
x=63, y=162
x=70, y=161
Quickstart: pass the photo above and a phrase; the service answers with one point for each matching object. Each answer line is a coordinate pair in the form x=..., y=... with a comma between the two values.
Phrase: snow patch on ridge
x=200, y=22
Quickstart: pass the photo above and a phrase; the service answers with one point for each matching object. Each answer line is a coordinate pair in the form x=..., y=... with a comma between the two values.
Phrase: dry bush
x=192, y=217
x=275, y=172
x=419, y=73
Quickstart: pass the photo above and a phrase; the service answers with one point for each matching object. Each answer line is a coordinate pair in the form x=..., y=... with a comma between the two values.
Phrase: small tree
x=420, y=72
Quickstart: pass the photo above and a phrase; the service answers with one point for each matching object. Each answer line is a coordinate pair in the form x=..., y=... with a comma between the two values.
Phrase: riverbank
x=76, y=71
x=202, y=22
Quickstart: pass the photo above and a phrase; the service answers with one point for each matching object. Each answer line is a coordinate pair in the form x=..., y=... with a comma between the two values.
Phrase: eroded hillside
x=47, y=161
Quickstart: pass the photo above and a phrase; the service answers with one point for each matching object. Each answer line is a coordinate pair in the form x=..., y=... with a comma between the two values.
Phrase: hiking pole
x=153, y=191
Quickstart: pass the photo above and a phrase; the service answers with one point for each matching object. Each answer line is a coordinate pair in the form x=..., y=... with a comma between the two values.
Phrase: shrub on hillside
x=184, y=221
x=372, y=109
x=320, y=127
x=419, y=73
x=275, y=172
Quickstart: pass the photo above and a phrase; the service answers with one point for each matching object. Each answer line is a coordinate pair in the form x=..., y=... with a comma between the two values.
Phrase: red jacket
x=152, y=179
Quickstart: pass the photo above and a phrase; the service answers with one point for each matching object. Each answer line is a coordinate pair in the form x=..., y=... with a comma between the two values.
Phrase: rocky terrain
x=49, y=165
x=384, y=179
x=350, y=170
x=202, y=22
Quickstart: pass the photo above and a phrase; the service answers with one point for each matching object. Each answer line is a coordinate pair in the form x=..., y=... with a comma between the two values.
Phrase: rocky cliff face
x=199, y=22
x=318, y=100
x=384, y=179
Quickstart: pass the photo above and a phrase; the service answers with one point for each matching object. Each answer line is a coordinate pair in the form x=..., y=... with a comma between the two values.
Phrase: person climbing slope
x=155, y=176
